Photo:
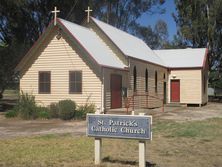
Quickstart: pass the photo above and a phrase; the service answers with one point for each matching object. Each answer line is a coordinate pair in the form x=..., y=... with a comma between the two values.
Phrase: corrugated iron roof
x=182, y=58
x=93, y=45
x=129, y=44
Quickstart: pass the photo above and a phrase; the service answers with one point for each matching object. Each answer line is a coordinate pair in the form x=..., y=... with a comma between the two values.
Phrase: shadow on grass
x=123, y=162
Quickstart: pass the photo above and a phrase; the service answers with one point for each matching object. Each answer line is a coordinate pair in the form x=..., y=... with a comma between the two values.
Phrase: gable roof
x=87, y=39
x=130, y=45
x=183, y=58
x=93, y=45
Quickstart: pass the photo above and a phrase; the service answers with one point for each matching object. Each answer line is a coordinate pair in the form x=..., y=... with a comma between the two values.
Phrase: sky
x=147, y=19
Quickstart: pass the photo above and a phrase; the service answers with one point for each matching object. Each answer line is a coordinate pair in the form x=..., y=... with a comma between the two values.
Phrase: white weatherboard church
x=98, y=63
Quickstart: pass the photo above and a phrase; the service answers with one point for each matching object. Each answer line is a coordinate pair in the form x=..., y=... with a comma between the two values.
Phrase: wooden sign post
x=120, y=126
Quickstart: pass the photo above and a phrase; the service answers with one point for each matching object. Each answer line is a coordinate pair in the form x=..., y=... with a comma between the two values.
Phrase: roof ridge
x=177, y=49
x=74, y=23
x=132, y=37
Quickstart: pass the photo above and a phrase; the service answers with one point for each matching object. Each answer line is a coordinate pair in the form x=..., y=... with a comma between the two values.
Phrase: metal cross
x=55, y=11
x=88, y=13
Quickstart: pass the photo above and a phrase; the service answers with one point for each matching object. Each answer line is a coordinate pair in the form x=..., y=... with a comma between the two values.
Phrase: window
x=44, y=82
x=134, y=78
x=75, y=82
x=146, y=80
x=155, y=81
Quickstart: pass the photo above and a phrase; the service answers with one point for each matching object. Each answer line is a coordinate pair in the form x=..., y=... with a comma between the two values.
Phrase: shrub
x=84, y=109
x=11, y=114
x=54, y=110
x=26, y=106
x=66, y=109
x=43, y=112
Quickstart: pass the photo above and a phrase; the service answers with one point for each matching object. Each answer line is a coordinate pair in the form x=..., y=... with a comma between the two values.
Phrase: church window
x=156, y=81
x=44, y=82
x=134, y=79
x=75, y=82
x=146, y=80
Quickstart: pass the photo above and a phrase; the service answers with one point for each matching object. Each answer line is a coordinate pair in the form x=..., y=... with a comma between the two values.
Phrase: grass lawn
x=174, y=144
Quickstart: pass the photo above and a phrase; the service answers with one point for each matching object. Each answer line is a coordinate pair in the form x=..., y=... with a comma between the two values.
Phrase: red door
x=116, y=96
x=175, y=90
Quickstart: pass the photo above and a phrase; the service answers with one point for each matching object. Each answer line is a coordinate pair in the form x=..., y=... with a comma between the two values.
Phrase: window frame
x=134, y=79
x=156, y=82
x=44, y=82
x=146, y=80
x=75, y=82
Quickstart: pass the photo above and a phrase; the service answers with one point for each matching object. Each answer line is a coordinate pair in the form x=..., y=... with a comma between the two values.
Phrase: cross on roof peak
x=55, y=11
x=88, y=13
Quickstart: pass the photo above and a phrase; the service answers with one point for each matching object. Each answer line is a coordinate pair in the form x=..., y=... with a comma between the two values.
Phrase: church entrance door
x=116, y=95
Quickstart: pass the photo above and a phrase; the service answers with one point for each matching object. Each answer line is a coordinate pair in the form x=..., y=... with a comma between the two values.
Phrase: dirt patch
x=17, y=127
x=181, y=114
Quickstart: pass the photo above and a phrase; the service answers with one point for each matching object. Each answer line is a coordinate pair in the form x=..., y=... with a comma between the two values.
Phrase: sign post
x=98, y=146
x=142, y=151
x=120, y=126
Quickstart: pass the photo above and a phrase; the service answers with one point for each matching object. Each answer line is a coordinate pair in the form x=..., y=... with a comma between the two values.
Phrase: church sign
x=119, y=126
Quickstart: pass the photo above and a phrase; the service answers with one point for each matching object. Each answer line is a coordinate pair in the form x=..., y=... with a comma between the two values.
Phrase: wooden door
x=116, y=96
x=175, y=90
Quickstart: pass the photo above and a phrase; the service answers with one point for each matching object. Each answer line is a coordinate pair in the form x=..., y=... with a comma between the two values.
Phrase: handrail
x=130, y=99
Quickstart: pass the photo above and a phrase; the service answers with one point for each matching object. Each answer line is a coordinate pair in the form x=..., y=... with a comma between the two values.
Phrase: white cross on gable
x=55, y=11
x=88, y=13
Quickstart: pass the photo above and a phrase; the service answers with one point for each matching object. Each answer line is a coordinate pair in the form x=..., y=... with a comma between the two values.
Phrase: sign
x=119, y=126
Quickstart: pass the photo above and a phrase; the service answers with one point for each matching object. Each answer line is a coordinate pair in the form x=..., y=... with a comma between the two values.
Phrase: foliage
x=43, y=112
x=124, y=15
x=26, y=107
x=54, y=110
x=67, y=109
x=11, y=114
x=199, y=23
x=82, y=110
x=156, y=38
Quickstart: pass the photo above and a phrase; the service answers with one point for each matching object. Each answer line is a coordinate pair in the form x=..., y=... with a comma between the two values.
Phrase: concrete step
x=175, y=105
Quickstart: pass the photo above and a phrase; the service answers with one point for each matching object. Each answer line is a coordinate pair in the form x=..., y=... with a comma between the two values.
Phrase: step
x=175, y=105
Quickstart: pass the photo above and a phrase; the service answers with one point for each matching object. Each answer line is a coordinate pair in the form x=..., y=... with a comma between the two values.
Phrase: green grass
x=207, y=129
x=47, y=150
x=189, y=144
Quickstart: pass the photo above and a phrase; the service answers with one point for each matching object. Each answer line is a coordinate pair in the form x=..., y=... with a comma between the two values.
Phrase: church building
x=98, y=63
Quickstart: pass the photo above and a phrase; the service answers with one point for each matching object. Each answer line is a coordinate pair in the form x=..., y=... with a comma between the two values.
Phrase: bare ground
x=16, y=127
x=181, y=114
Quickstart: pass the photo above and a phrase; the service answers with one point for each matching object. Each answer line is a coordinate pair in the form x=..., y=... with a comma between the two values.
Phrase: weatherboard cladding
x=59, y=57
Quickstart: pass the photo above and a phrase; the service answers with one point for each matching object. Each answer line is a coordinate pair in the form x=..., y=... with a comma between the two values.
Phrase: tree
x=200, y=23
x=124, y=13
x=155, y=38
